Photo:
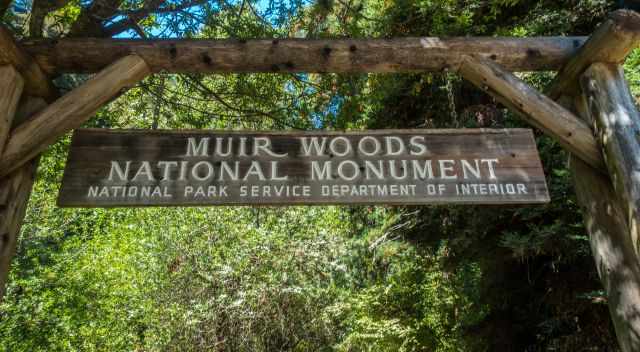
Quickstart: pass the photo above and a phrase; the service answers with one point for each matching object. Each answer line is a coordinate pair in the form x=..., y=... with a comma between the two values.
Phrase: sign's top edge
x=313, y=132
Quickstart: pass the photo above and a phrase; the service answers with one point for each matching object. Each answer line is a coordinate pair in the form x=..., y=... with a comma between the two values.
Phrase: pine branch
x=4, y=6
x=39, y=11
x=135, y=16
x=91, y=19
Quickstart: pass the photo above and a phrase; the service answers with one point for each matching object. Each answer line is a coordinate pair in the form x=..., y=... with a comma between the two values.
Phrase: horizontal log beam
x=69, y=112
x=536, y=108
x=302, y=55
x=611, y=42
x=36, y=83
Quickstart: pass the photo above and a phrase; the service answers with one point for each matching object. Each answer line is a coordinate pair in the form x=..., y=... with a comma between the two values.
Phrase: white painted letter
x=122, y=175
x=274, y=173
x=318, y=148
x=144, y=170
x=264, y=144
x=200, y=149
x=321, y=174
x=414, y=141
x=466, y=166
x=347, y=146
x=376, y=146
x=490, y=163
x=398, y=142
x=444, y=169
x=166, y=168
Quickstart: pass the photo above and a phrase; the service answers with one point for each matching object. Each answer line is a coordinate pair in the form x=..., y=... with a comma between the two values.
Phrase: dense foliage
x=307, y=278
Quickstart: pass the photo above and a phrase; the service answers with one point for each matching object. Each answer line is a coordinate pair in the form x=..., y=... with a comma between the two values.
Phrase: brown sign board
x=109, y=168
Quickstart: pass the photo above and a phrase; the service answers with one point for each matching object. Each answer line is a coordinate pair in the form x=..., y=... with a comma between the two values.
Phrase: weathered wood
x=70, y=111
x=132, y=168
x=537, y=109
x=18, y=186
x=36, y=83
x=10, y=90
x=612, y=251
x=612, y=41
x=617, y=121
x=304, y=55
x=611, y=246
x=16, y=189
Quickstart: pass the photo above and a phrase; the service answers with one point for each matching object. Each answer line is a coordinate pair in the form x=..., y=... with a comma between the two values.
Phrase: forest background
x=428, y=278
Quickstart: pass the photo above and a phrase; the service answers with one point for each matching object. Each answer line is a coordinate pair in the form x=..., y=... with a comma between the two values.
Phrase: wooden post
x=610, y=43
x=17, y=189
x=611, y=246
x=11, y=85
x=534, y=107
x=612, y=251
x=18, y=186
x=70, y=111
x=617, y=122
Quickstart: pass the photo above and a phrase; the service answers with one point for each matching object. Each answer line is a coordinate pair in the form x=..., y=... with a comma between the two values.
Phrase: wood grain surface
x=302, y=55
x=396, y=167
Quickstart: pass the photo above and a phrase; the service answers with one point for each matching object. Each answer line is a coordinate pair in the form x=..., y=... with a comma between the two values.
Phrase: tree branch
x=39, y=11
x=132, y=19
x=152, y=7
x=90, y=21
x=166, y=9
x=4, y=6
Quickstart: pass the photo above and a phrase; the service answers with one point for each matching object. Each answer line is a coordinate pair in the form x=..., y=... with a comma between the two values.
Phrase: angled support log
x=534, y=107
x=612, y=41
x=69, y=112
x=36, y=83
x=610, y=106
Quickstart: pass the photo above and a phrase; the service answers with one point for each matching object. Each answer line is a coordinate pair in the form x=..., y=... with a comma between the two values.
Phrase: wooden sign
x=108, y=168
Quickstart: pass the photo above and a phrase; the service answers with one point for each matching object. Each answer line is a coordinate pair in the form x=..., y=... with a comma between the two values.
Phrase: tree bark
x=303, y=55
x=611, y=246
x=612, y=251
x=617, y=123
x=16, y=189
x=69, y=112
x=11, y=85
x=610, y=43
x=36, y=83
